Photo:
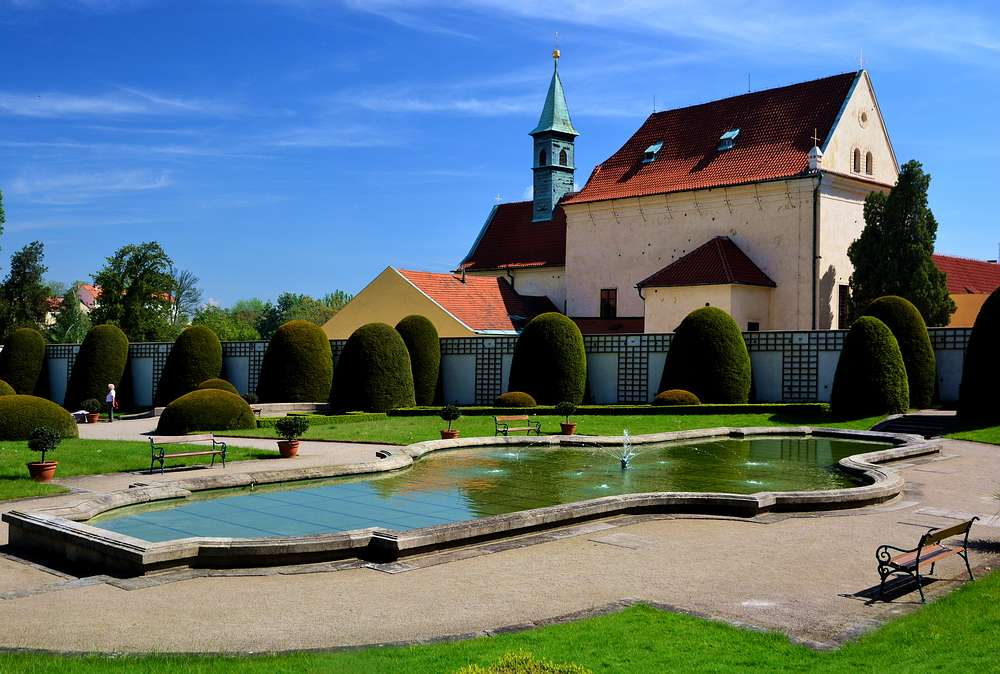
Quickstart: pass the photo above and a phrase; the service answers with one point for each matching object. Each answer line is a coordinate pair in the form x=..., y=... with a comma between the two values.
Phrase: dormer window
x=727, y=139
x=651, y=152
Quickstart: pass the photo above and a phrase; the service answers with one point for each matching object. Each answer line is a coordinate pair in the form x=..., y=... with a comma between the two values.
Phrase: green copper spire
x=555, y=114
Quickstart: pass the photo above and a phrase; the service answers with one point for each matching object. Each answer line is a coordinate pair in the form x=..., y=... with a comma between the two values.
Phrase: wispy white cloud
x=75, y=188
x=120, y=103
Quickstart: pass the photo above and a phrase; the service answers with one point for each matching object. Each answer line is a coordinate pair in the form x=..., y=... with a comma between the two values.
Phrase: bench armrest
x=883, y=553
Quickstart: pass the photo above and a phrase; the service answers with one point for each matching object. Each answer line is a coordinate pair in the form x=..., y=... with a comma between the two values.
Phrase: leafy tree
x=893, y=254
x=186, y=294
x=72, y=322
x=228, y=324
x=337, y=299
x=870, y=377
x=24, y=297
x=135, y=293
x=708, y=357
x=293, y=307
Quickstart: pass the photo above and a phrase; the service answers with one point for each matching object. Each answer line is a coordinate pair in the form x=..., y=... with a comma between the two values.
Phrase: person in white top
x=111, y=402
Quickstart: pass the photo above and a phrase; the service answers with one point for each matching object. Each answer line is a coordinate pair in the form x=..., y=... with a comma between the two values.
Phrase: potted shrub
x=450, y=413
x=566, y=408
x=93, y=407
x=291, y=429
x=43, y=440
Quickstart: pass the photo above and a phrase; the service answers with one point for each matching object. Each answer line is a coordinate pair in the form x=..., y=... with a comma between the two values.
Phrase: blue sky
x=303, y=146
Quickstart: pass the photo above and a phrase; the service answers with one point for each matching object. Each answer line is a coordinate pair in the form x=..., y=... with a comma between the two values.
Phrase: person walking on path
x=111, y=402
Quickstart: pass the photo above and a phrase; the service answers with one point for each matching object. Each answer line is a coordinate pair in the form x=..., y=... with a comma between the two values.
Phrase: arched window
x=857, y=160
x=869, y=163
x=563, y=158
x=541, y=158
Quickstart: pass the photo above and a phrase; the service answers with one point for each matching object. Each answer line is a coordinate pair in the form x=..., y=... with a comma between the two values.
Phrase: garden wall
x=788, y=366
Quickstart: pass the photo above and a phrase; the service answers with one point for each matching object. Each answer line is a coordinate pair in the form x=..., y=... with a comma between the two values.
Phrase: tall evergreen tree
x=893, y=254
x=24, y=297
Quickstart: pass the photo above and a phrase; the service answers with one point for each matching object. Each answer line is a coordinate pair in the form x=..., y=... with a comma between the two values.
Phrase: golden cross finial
x=815, y=138
x=860, y=59
x=557, y=39
x=497, y=198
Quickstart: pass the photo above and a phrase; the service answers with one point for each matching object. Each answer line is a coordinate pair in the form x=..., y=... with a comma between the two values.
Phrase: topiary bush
x=515, y=399
x=870, y=377
x=205, y=410
x=195, y=357
x=21, y=360
x=44, y=439
x=675, y=397
x=6, y=389
x=549, y=361
x=709, y=358
x=297, y=366
x=978, y=394
x=373, y=373
x=291, y=428
x=100, y=361
x=910, y=331
x=20, y=415
x=424, y=346
x=220, y=384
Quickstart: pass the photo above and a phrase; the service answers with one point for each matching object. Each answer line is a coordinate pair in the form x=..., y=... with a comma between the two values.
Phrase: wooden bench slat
x=928, y=551
x=218, y=448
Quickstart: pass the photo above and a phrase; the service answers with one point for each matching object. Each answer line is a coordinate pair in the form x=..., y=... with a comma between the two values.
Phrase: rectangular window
x=842, y=308
x=609, y=303
x=753, y=326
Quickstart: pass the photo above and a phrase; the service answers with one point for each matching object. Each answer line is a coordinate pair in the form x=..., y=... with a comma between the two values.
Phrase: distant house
x=970, y=282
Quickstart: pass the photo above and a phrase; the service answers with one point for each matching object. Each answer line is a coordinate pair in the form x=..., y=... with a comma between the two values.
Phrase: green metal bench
x=928, y=551
x=503, y=425
x=155, y=442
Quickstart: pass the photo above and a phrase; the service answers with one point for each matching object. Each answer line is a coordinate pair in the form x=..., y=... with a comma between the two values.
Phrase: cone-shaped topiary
x=675, y=397
x=206, y=410
x=101, y=361
x=979, y=395
x=373, y=373
x=910, y=331
x=194, y=357
x=6, y=389
x=709, y=358
x=220, y=384
x=21, y=415
x=297, y=366
x=870, y=377
x=515, y=399
x=21, y=360
x=549, y=361
x=424, y=346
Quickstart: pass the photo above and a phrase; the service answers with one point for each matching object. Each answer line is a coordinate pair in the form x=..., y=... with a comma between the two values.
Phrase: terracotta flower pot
x=449, y=435
x=42, y=471
x=288, y=448
x=568, y=429
x=93, y=418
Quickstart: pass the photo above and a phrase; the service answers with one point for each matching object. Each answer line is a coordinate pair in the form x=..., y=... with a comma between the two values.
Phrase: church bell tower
x=553, y=151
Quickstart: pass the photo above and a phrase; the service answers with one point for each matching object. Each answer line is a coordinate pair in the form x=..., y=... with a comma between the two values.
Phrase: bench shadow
x=895, y=588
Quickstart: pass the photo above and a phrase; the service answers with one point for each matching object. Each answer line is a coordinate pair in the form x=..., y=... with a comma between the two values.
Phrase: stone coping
x=61, y=531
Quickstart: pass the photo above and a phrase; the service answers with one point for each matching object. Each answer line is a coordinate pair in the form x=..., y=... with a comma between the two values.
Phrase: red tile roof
x=717, y=262
x=483, y=303
x=510, y=238
x=614, y=326
x=774, y=141
x=968, y=276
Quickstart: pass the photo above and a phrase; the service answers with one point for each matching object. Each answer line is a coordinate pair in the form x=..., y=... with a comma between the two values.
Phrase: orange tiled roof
x=483, y=303
x=511, y=239
x=717, y=262
x=775, y=126
x=968, y=276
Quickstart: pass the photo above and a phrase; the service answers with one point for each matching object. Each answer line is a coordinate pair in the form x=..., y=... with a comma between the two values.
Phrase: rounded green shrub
x=220, y=384
x=297, y=366
x=373, y=373
x=6, y=389
x=424, y=346
x=549, y=361
x=20, y=415
x=205, y=410
x=21, y=360
x=515, y=399
x=194, y=357
x=870, y=377
x=910, y=331
x=978, y=394
x=100, y=361
x=709, y=358
x=675, y=397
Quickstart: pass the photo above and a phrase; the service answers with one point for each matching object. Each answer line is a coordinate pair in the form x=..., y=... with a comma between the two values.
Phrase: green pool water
x=454, y=486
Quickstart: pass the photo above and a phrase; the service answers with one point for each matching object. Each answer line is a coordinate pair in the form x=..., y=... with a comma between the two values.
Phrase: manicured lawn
x=977, y=432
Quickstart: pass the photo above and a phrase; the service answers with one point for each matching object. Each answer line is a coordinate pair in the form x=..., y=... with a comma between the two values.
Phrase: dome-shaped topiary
x=297, y=366
x=709, y=358
x=549, y=361
x=220, y=384
x=100, y=361
x=979, y=395
x=21, y=415
x=515, y=399
x=206, y=410
x=6, y=389
x=870, y=377
x=373, y=373
x=424, y=346
x=910, y=331
x=194, y=357
x=21, y=360
x=675, y=397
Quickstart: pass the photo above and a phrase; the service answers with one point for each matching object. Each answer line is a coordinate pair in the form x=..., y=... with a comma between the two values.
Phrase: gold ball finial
x=555, y=53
